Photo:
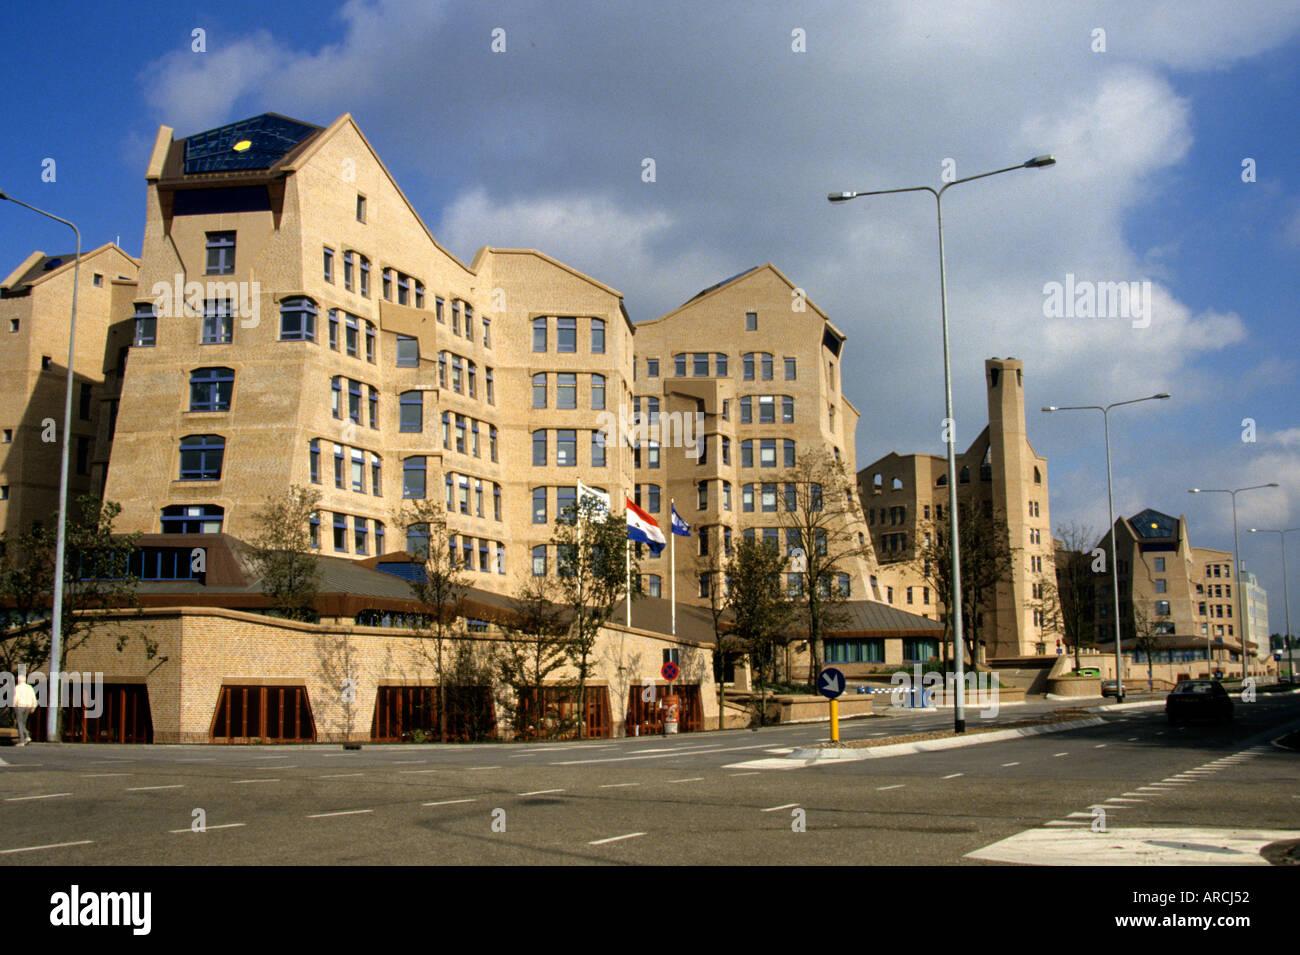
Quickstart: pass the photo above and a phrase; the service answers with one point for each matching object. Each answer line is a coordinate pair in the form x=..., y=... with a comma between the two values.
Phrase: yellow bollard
x=835, y=721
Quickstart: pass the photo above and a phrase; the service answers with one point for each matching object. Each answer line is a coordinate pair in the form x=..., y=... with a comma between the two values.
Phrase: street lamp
x=1286, y=596
x=1242, y=624
x=959, y=712
x=56, y=623
x=1110, y=504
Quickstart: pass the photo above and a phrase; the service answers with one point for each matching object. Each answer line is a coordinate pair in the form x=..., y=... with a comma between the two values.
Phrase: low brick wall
x=1074, y=686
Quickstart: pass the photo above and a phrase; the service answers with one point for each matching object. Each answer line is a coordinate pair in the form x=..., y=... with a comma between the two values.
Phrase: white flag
x=601, y=498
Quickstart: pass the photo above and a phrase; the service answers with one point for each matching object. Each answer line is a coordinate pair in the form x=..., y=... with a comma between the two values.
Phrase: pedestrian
x=24, y=703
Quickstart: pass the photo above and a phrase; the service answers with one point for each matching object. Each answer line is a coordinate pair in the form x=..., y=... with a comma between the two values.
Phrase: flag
x=680, y=527
x=641, y=527
x=600, y=497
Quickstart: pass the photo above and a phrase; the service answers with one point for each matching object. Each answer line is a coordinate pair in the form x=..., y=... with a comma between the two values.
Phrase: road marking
x=53, y=845
x=693, y=779
x=734, y=775
x=340, y=775
x=405, y=762
x=541, y=792
x=618, y=785
x=272, y=757
x=1122, y=799
x=789, y=805
x=954, y=775
x=473, y=768
x=240, y=782
x=1132, y=739
x=601, y=842
x=446, y=802
x=1066, y=822
x=224, y=825
x=46, y=796
x=1102, y=805
x=1132, y=846
x=209, y=759
x=104, y=775
x=341, y=812
x=1060, y=754
x=681, y=751
x=881, y=789
x=1079, y=815
x=1099, y=745
x=144, y=789
x=412, y=772
x=1017, y=763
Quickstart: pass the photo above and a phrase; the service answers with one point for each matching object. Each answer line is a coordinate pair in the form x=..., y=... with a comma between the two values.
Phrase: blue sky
x=542, y=146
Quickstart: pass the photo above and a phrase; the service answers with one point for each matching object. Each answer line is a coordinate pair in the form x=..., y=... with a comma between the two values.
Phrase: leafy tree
x=714, y=564
x=760, y=608
x=282, y=555
x=986, y=562
x=592, y=580
x=819, y=516
x=536, y=645
x=440, y=589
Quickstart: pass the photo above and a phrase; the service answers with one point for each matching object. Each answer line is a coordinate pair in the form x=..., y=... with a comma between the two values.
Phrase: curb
x=813, y=756
x=1107, y=707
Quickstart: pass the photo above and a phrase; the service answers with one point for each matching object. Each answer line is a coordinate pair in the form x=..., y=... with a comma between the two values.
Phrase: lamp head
x=840, y=196
x=1039, y=161
x=1049, y=407
x=1163, y=394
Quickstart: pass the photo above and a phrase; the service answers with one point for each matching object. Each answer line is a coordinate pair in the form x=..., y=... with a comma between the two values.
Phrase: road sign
x=669, y=671
x=831, y=683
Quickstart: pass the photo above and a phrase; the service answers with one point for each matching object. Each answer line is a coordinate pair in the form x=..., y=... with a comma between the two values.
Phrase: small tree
x=535, y=645
x=820, y=518
x=592, y=578
x=714, y=564
x=1075, y=586
x=1145, y=641
x=760, y=608
x=282, y=554
x=440, y=588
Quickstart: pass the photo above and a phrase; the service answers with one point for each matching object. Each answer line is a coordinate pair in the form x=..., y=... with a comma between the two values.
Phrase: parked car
x=1110, y=688
x=1198, y=700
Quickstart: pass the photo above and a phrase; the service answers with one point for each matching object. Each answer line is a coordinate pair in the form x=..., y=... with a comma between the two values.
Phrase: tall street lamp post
x=959, y=712
x=1110, y=505
x=1286, y=595
x=56, y=623
x=1242, y=625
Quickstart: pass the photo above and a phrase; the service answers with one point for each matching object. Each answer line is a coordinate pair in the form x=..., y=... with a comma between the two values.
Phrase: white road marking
x=1017, y=763
x=54, y=845
x=676, y=752
x=1119, y=798
x=734, y=775
x=954, y=775
x=1055, y=754
x=104, y=775
x=46, y=796
x=412, y=772
x=1144, y=846
x=1066, y=822
x=789, y=805
x=541, y=792
x=1099, y=745
x=285, y=756
x=143, y=789
x=693, y=779
x=341, y=775
x=618, y=785
x=473, y=768
x=1131, y=739
x=446, y=802
x=341, y=812
x=240, y=782
x=224, y=825
x=881, y=789
x=601, y=842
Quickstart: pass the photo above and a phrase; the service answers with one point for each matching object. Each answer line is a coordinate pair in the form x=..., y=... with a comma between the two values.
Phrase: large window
x=539, y=334
x=566, y=334
x=597, y=392
x=221, y=253
x=597, y=336
x=411, y=411
x=413, y=477
x=146, y=326
x=192, y=519
x=856, y=651
x=539, y=560
x=539, y=505
x=539, y=448
x=201, y=457
x=566, y=390
x=218, y=324
x=210, y=389
x=298, y=319
x=539, y=390
x=408, y=351
x=566, y=448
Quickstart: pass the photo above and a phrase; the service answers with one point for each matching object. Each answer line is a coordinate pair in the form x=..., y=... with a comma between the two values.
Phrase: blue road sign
x=831, y=683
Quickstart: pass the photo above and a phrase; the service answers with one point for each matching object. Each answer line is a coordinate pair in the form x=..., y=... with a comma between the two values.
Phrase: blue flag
x=680, y=527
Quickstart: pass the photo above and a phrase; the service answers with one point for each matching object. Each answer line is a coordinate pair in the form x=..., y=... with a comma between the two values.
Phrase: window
x=1162, y=585
x=539, y=505
x=192, y=519
x=652, y=367
x=539, y=334
x=489, y=384
x=146, y=326
x=349, y=268
x=702, y=493
x=652, y=454
x=358, y=471
x=361, y=208
x=387, y=284
x=597, y=449
x=338, y=466
x=539, y=390
x=83, y=403
x=746, y=410
x=767, y=367
x=566, y=448
x=83, y=455
x=487, y=333
x=769, y=497
x=566, y=390
x=341, y=533
x=492, y=441
x=1160, y=565
x=597, y=336
x=652, y=498
x=352, y=334
x=413, y=477
x=751, y=321
x=201, y=457
x=597, y=392
x=376, y=485
x=374, y=407
x=469, y=321
x=539, y=448
x=747, y=365
x=747, y=498
x=210, y=389
x=336, y=396
x=298, y=320
x=354, y=401
x=726, y=496
x=679, y=365
x=747, y=453
x=791, y=370
x=566, y=334
x=329, y=264
x=726, y=449
x=359, y=535
x=721, y=361
x=217, y=324
x=455, y=316
x=221, y=253
x=365, y=277
x=403, y=289
x=654, y=585
x=408, y=351
x=1162, y=608
x=539, y=560
x=789, y=452
x=787, y=409
x=566, y=503
x=767, y=453
x=767, y=409
x=411, y=414
x=700, y=365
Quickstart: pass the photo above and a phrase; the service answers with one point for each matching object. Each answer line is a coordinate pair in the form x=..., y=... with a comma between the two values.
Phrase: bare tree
x=1145, y=641
x=818, y=514
x=714, y=564
x=439, y=588
x=1075, y=585
x=760, y=608
x=535, y=646
x=282, y=555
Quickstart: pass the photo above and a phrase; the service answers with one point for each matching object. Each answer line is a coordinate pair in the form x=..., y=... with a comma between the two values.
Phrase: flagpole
x=627, y=560
x=672, y=559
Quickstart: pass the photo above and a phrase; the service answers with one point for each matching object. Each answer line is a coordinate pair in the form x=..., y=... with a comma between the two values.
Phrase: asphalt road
x=1189, y=793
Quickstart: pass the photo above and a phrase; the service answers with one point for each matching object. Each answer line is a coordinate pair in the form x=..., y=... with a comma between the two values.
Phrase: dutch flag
x=641, y=527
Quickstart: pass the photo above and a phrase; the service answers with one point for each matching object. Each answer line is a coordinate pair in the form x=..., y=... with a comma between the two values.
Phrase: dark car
x=1199, y=701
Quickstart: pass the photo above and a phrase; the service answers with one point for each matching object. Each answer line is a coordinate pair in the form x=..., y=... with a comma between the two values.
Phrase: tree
x=1144, y=634
x=820, y=518
x=535, y=645
x=282, y=555
x=97, y=577
x=592, y=579
x=714, y=564
x=439, y=589
x=760, y=608
x=1066, y=600
x=986, y=561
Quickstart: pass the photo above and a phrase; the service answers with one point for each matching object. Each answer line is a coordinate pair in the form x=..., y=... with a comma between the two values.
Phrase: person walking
x=24, y=703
